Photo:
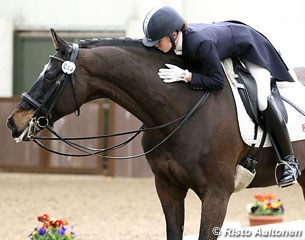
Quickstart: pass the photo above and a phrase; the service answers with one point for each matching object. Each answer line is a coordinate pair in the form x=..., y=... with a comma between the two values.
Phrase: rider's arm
x=211, y=77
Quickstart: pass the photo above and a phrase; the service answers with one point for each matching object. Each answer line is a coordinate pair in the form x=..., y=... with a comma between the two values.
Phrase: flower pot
x=264, y=219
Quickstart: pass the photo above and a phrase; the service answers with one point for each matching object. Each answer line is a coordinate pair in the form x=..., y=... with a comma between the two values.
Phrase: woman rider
x=207, y=45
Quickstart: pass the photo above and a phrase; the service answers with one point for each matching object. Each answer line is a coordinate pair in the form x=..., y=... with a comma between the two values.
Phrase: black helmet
x=160, y=22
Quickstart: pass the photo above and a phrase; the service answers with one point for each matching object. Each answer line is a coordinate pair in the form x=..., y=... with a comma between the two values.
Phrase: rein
x=42, y=118
x=88, y=151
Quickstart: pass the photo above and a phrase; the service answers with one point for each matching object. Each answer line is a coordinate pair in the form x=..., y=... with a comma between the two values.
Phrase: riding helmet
x=160, y=22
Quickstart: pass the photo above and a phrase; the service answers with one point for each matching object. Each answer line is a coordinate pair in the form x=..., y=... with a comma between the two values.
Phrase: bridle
x=42, y=117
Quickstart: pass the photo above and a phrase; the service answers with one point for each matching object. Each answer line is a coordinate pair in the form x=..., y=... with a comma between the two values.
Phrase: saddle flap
x=248, y=92
x=247, y=89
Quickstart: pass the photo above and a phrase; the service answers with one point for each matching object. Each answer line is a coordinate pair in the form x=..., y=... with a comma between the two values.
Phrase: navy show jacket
x=207, y=44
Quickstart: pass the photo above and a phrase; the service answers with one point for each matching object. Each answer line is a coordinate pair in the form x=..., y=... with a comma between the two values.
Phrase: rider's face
x=164, y=44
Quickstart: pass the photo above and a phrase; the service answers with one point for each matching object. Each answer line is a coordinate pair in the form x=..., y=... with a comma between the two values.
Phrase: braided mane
x=96, y=42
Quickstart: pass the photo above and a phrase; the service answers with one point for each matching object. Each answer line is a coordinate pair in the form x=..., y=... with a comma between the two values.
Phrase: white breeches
x=262, y=78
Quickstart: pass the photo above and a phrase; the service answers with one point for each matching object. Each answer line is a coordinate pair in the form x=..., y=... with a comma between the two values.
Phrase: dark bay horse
x=201, y=156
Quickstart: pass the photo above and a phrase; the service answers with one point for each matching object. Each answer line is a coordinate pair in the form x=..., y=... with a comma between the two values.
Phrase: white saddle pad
x=294, y=92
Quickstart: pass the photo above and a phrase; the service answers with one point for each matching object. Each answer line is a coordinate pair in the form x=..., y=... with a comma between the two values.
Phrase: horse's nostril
x=11, y=125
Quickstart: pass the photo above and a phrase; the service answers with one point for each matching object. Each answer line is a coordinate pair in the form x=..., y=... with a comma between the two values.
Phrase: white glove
x=173, y=74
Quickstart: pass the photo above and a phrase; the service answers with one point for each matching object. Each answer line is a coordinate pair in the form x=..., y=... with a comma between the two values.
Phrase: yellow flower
x=68, y=234
x=34, y=232
x=276, y=204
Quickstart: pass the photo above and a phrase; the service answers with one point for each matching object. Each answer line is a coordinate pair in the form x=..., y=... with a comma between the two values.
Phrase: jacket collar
x=178, y=49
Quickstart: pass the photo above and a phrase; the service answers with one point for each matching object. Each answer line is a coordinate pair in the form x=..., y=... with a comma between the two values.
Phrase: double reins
x=89, y=151
x=42, y=118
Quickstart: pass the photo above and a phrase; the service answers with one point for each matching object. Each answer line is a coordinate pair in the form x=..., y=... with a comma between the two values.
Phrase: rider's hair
x=184, y=27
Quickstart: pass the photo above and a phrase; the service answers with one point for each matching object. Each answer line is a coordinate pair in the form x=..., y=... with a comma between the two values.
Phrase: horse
x=201, y=156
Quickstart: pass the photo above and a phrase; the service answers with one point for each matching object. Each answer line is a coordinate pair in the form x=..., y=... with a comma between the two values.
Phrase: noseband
x=42, y=116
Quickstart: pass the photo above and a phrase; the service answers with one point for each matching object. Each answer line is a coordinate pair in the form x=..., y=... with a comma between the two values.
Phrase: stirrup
x=280, y=163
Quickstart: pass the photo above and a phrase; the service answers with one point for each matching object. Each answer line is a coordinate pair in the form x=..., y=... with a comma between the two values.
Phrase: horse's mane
x=130, y=43
x=122, y=42
x=96, y=42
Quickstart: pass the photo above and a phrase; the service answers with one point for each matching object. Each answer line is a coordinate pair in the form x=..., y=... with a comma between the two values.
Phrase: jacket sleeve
x=211, y=76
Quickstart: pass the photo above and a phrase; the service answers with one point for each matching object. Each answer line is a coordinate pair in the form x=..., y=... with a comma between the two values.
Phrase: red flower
x=65, y=222
x=266, y=197
x=259, y=197
x=46, y=225
x=44, y=218
x=58, y=223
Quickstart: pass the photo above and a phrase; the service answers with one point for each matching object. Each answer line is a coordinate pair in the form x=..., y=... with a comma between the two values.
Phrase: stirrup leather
x=281, y=163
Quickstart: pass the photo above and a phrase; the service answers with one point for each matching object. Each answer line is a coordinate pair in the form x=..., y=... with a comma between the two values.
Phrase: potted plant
x=52, y=229
x=266, y=209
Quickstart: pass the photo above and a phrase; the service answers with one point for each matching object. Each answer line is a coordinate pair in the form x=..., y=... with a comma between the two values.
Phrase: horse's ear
x=59, y=43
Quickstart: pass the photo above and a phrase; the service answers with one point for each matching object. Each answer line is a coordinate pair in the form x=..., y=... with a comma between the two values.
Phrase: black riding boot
x=278, y=133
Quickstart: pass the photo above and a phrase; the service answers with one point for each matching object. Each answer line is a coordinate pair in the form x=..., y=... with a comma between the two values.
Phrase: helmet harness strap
x=172, y=39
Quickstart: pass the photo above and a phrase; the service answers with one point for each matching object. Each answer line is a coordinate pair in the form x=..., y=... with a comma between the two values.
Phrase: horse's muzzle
x=17, y=135
x=12, y=126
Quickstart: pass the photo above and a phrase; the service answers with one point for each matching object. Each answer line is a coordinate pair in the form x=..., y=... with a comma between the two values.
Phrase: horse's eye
x=49, y=77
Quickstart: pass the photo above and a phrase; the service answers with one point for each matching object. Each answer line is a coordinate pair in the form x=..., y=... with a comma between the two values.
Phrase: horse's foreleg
x=214, y=207
x=172, y=201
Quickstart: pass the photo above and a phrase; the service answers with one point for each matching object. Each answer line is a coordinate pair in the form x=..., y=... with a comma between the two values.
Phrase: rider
x=207, y=45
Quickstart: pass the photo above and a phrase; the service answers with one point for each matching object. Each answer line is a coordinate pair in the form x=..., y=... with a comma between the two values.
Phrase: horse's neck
x=129, y=76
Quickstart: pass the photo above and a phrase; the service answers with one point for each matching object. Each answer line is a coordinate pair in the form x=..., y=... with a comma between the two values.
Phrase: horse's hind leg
x=172, y=201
